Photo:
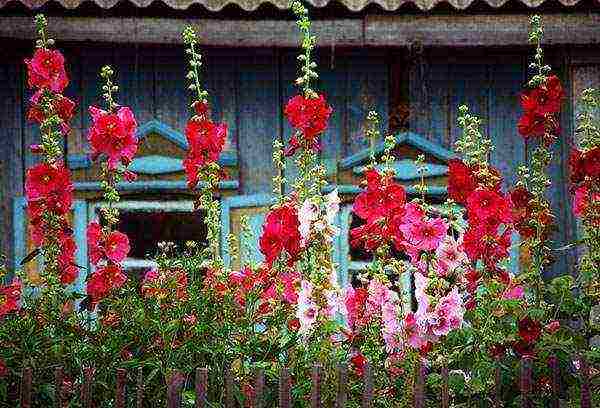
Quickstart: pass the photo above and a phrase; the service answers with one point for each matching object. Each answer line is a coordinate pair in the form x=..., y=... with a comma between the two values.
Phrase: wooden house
x=414, y=61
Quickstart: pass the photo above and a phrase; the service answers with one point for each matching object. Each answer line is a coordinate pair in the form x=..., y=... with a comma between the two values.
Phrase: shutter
x=255, y=207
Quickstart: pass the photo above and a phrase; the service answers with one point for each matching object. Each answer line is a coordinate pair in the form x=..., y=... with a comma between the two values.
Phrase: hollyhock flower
x=206, y=141
x=483, y=243
x=473, y=277
x=461, y=181
x=51, y=186
x=448, y=313
x=309, y=116
x=553, y=326
x=47, y=70
x=62, y=106
x=545, y=99
x=113, y=134
x=355, y=304
x=591, y=162
x=497, y=351
x=113, y=246
x=307, y=310
x=523, y=348
x=281, y=234
x=3, y=369
x=489, y=205
x=335, y=306
x=426, y=233
x=531, y=125
x=94, y=238
x=391, y=325
x=103, y=280
x=513, y=292
x=358, y=362
x=66, y=260
x=10, y=296
x=411, y=329
x=307, y=215
x=576, y=164
x=582, y=200
x=450, y=255
x=529, y=330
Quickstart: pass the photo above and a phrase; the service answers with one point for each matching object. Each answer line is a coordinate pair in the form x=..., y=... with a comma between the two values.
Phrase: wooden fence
x=176, y=383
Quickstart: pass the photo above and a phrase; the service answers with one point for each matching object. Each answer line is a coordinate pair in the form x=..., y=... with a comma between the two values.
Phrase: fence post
x=367, y=398
x=285, y=397
x=176, y=381
x=342, y=377
x=139, y=388
x=315, y=392
x=58, y=382
x=555, y=372
x=586, y=399
x=445, y=392
x=26, y=379
x=498, y=384
x=259, y=388
x=228, y=388
x=419, y=386
x=526, y=363
x=86, y=388
x=201, y=387
x=120, y=392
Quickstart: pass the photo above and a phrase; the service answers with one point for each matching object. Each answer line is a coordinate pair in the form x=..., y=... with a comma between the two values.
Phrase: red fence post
x=342, y=377
x=367, y=398
x=586, y=398
x=139, y=388
x=526, y=364
x=120, y=392
x=201, y=387
x=419, y=386
x=26, y=379
x=315, y=392
x=445, y=392
x=555, y=372
x=176, y=381
x=259, y=388
x=228, y=388
x=86, y=387
x=58, y=382
x=285, y=397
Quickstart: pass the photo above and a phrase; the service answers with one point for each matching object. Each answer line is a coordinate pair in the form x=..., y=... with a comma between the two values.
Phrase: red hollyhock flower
x=116, y=246
x=113, y=134
x=309, y=116
x=47, y=70
x=66, y=260
x=94, y=239
x=281, y=234
x=62, y=106
x=206, y=141
x=489, y=206
x=3, y=369
x=523, y=349
x=461, y=181
x=577, y=167
x=529, y=330
x=531, y=125
x=103, y=280
x=358, y=362
x=50, y=186
x=545, y=99
x=10, y=296
x=482, y=243
x=591, y=163
x=113, y=246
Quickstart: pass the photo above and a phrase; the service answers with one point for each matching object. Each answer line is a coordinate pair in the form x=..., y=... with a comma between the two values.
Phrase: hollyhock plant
x=206, y=141
x=113, y=134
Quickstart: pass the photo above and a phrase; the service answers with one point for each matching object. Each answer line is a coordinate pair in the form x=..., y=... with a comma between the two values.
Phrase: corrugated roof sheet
x=249, y=5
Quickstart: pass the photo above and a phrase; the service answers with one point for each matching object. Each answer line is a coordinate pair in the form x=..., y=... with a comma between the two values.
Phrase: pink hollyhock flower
x=449, y=313
x=113, y=134
x=10, y=296
x=281, y=234
x=307, y=310
x=309, y=116
x=336, y=306
x=425, y=233
x=116, y=246
x=307, y=215
x=412, y=331
x=391, y=326
x=450, y=255
x=290, y=282
x=47, y=70
x=513, y=292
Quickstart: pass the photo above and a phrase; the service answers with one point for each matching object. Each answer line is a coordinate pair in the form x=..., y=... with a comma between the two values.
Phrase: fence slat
x=139, y=388
x=367, y=397
x=176, y=381
x=228, y=388
x=120, y=392
x=555, y=372
x=526, y=363
x=419, y=386
x=26, y=379
x=586, y=398
x=201, y=387
x=445, y=392
x=59, y=375
x=315, y=392
x=259, y=388
x=342, y=386
x=86, y=388
x=285, y=392
x=498, y=385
